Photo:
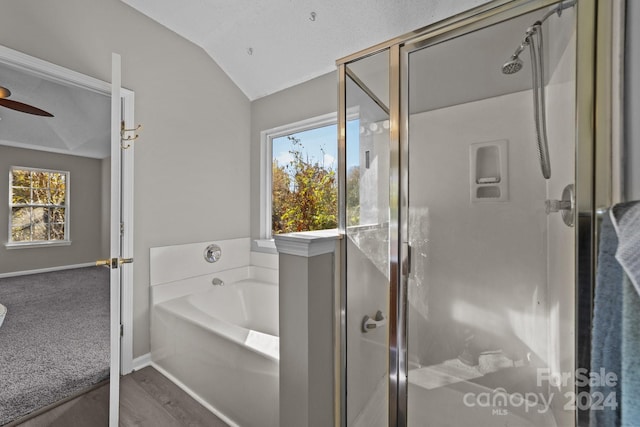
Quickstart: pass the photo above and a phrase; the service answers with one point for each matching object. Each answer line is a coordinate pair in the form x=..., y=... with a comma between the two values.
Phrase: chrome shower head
x=512, y=66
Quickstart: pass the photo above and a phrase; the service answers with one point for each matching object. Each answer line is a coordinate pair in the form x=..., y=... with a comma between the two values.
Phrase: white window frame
x=266, y=159
x=67, y=214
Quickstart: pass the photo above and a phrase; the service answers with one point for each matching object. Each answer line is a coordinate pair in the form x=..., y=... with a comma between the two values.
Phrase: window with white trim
x=38, y=205
x=299, y=190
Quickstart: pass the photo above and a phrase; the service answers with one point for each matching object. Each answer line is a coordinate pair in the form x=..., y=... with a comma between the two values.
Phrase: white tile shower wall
x=480, y=266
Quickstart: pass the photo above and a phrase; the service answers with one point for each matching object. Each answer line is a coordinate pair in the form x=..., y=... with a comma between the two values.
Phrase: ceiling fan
x=19, y=106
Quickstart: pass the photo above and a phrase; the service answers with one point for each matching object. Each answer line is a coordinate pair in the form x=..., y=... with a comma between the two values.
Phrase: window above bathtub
x=38, y=207
x=299, y=178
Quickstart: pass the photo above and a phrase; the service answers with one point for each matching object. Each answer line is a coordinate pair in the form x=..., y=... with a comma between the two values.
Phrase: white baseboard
x=46, y=270
x=193, y=394
x=141, y=362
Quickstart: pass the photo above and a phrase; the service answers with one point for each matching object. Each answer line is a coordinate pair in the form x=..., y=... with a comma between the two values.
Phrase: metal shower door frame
x=593, y=178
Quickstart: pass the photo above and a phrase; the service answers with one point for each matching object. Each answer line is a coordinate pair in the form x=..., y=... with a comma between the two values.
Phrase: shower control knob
x=566, y=206
x=212, y=253
x=557, y=205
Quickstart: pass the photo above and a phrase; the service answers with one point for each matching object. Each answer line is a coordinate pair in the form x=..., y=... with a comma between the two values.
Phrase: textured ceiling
x=267, y=46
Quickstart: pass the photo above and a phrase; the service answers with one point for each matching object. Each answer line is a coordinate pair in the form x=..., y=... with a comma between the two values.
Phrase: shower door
x=468, y=257
x=490, y=291
x=367, y=241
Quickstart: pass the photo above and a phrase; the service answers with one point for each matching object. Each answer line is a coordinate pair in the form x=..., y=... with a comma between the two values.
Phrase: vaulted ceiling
x=267, y=46
x=286, y=48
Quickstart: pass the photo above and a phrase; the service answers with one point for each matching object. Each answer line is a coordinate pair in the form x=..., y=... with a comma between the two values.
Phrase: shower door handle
x=377, y=322
x=406, y=263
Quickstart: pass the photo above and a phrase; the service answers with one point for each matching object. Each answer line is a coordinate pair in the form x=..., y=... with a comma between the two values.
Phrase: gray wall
x=632, y=102
x=306, y=337
x=310, y=99
x=195, y=120
x=86, y=210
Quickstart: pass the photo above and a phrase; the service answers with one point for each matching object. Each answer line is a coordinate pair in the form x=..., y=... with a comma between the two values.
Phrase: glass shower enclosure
x=467, y=210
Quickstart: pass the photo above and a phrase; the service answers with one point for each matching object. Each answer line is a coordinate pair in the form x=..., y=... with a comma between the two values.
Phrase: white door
x=121, y=238
x=115, y=259
x=114, y=375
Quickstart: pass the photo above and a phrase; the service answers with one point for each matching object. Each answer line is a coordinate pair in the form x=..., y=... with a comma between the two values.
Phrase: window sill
x=266, y=244
x=12, y=245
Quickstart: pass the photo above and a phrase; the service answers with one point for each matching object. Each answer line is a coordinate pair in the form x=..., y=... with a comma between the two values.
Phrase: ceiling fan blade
x=24, y=108
x=4, y=92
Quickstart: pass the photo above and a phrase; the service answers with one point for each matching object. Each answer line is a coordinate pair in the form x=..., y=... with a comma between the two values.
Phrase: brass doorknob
x=113, y=262
x=103, y=262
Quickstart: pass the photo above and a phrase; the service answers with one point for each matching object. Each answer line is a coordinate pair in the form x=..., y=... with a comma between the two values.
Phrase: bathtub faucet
x=217, y=282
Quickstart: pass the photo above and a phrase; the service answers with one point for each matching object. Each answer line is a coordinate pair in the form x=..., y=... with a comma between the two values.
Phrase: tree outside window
x=38, y=205
x=304, y=181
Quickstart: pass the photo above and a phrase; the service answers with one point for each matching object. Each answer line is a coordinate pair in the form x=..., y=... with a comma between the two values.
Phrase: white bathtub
x=219, y=343
x=222, y=344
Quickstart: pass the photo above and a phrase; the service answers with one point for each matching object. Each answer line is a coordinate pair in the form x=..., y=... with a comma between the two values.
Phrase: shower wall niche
x=488, y=171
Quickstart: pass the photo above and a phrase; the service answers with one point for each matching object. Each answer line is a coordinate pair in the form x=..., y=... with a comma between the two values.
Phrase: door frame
x=70, y=77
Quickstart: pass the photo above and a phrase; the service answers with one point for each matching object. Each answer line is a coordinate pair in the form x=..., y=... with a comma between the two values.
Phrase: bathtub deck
x=147, y=398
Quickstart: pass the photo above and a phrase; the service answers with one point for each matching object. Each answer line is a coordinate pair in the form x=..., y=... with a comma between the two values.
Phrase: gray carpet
x=54, y=341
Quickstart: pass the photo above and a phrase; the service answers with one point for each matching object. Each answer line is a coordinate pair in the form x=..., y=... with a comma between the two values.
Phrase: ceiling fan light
x=4, y=92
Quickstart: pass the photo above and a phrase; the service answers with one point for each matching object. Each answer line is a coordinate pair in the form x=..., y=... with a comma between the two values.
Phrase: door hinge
x=121, y=329
x=122, y=228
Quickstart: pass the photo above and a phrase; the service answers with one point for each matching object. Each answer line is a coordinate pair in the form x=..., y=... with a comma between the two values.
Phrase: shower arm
x=520, y=48
x=558, y=10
